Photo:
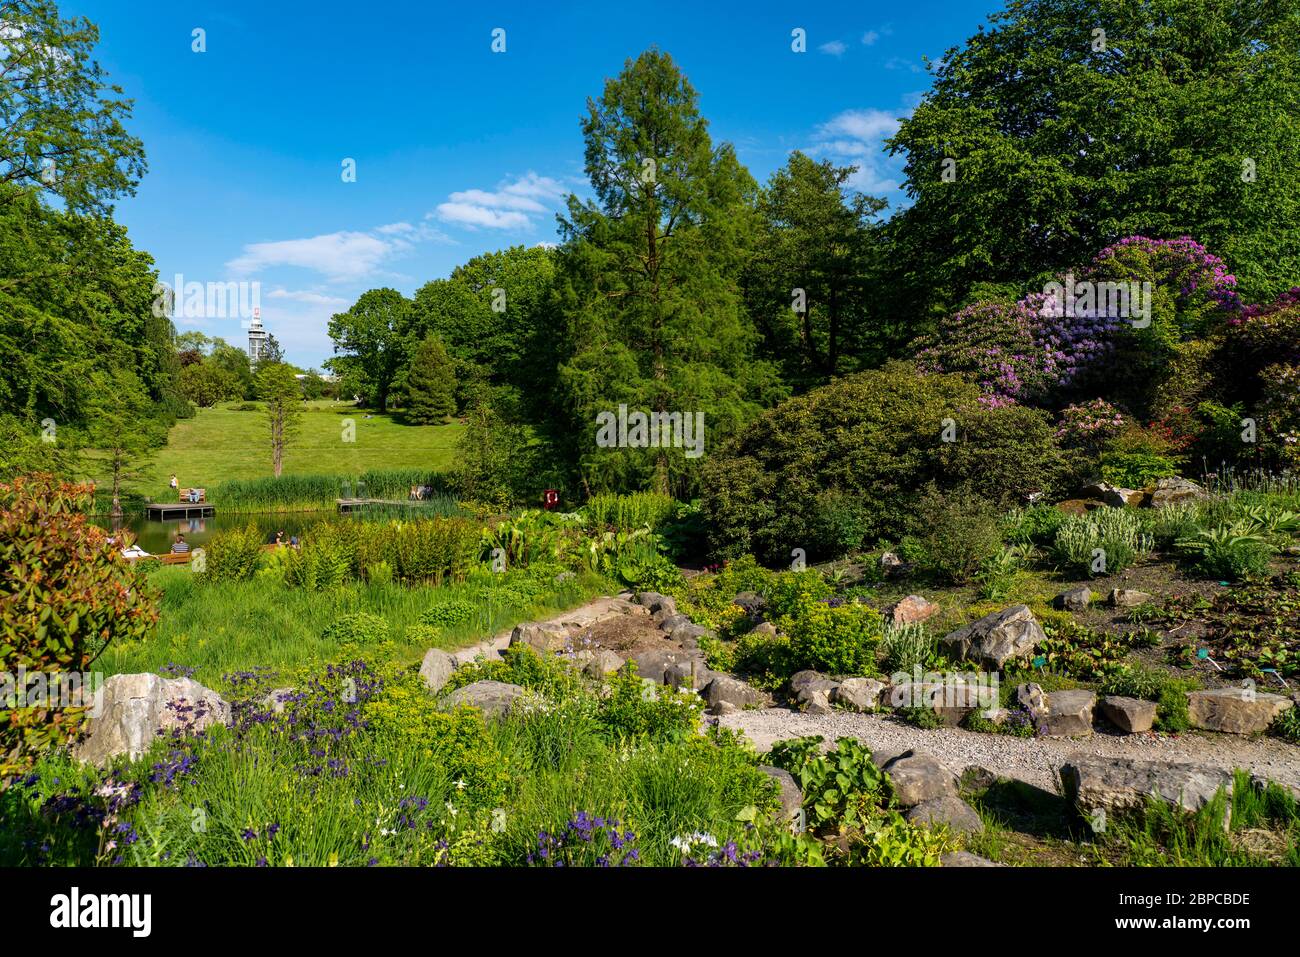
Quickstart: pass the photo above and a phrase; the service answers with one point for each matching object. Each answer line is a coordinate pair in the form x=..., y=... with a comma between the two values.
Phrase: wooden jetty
x=161, y=511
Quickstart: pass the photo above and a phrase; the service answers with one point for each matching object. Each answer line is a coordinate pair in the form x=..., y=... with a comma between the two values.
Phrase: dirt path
x=1033, y=760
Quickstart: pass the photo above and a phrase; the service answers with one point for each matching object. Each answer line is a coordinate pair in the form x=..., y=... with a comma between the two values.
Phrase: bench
x=185, y=495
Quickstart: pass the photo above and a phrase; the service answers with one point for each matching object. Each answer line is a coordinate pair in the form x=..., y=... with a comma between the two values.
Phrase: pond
x=156, y=537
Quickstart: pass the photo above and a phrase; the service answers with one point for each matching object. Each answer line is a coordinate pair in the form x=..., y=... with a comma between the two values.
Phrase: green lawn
x=220, y=444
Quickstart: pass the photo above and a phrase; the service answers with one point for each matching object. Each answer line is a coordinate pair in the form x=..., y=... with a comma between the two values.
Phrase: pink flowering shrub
x=1089, y=425
x=1198, y=282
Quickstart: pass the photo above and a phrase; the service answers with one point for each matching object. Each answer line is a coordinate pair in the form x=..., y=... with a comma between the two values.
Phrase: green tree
x=492, y=457
x=648, y=283
x=206, y=383
x=277, y=387
x=121, y=431
x=369, y=340
x=1073, y=123
x=819, y=250
x=60, y=121
x=235, y=363
x=430, y=384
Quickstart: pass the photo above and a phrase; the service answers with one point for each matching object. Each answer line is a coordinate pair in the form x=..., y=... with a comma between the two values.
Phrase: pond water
x=156, y=537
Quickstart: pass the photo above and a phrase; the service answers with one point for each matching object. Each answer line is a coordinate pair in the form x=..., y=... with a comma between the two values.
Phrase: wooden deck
x=183, y=558
x=161, y=511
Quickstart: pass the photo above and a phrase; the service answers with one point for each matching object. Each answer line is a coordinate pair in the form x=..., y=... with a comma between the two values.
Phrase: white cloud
x=898, y=63
x=834, y=48
x=869, y=38
x=308, y=296
x=340, y=257
x=858, y=136
x=512, y=205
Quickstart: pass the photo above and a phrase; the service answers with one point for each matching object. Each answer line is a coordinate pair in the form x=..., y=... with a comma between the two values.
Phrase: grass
x=220, y=444
x=226, y=627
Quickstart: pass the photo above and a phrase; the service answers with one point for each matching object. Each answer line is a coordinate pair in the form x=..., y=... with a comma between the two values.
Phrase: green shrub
x=1035, y=525
x=1104, y=542
x=635, y=708
x=232, y=556
x=840, y=640
x=1287, y=725
x=323, y=560
x=904, y=647
x=996, y=576
x=1168, y=691
x=849, y=456
x=958, y=531
x=450, y=613
x=1136, y=469
x=65, y=593
x=1234, y=552
x=360, y=628
x=626, y=512
x=767, y=660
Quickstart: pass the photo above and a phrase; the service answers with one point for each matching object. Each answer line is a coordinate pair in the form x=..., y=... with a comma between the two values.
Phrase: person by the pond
x=293, y=541
x=180, y=546
x=279, y=538
x=174, y=484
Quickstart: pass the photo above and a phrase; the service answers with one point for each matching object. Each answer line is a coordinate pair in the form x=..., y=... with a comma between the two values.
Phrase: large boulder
x=603, y=662
x=724, y=690
x=1114, y=495
x=1068, y=714
x=692, y=673
x=1118, y=786
x=655, y=602
x=1235, y=710
x=654, y=663
x=810, y=680
x=494, y=698
x=1171, y=491
x=859, y=694
x=966, y=859
x=436, y=668
x=1130, y=715
x=948, y=809
x=131, y=711
x=917, y=778
x=670, y=622
x=998, y=637
x=951, y=700
x=753, y=604
x=544, y=637
x=689, y=634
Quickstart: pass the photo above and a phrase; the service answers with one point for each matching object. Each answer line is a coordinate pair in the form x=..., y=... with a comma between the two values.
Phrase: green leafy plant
x=1104, y=542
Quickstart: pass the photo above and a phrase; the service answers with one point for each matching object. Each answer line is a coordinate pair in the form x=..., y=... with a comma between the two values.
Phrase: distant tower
x=256, y=336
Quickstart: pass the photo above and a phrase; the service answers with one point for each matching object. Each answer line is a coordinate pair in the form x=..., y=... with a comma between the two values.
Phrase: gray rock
x=129, y=711
x=1069, y=714
x=1130, y=715
x=952, y=701
x=950, y=810
x=653, y=601
x=690, y=631
x=724, y=689
x=1235, y=710
x=436, y=669
x=494, y=698
x=859, y=694
x=1032, y=698
x=764, y=628
x=1127, y=597
x=603, y=662
x=655, y=662
x=753, y=603
x=965, y=859
x=815, y=701
x=811, y=680
x=1119, y=786
x=787, y=790
x=673, y=621
x=691, y=673
x=277, y=699
x=1114, y=495
x=1170, y=491
x=919, y=777
x=1075, y=599
x=998, y=638
x=544, y=637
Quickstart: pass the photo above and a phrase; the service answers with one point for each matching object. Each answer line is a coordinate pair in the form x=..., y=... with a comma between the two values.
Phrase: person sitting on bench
x=180, y=546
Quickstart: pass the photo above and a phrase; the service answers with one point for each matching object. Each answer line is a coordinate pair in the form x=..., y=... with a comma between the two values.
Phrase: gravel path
x=1033, y=760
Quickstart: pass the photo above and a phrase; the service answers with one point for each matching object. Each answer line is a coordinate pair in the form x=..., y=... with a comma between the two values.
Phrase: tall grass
x=626, y=512
x=320, y=491
x=224, y=627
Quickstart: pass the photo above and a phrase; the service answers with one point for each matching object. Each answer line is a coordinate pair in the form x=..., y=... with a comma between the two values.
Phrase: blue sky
x=458, y=150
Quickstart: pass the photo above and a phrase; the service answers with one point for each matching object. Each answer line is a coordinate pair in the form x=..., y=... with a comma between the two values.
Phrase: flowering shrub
x=1198, y=280
x=65, y=593
x=1089, y=425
